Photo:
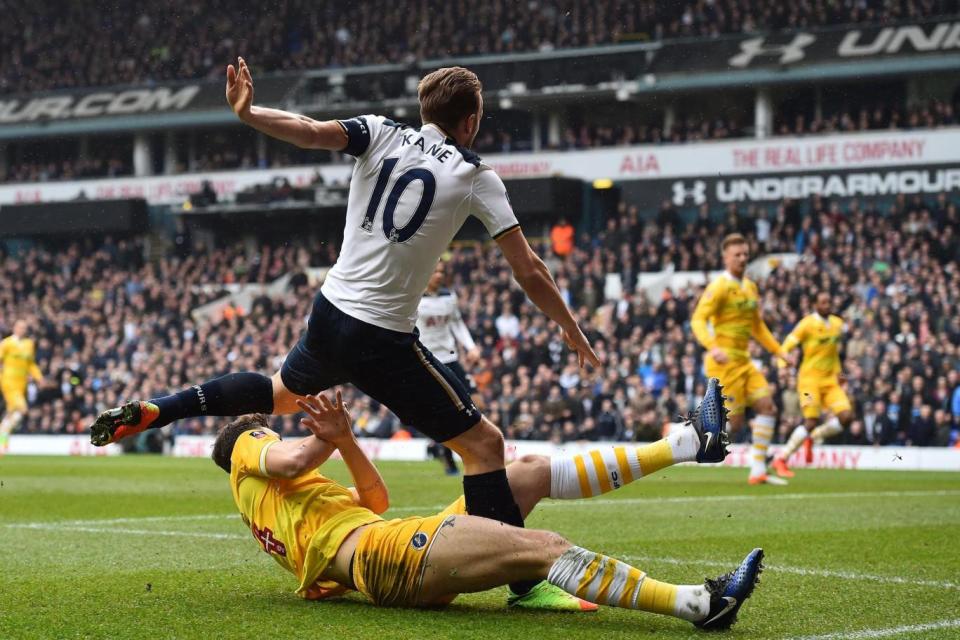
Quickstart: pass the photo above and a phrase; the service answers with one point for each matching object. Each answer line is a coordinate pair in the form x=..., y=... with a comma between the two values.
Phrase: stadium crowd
x=67, y=169
x=141, y=43
x=111, y=326
x=930, y=115
x=589, y=136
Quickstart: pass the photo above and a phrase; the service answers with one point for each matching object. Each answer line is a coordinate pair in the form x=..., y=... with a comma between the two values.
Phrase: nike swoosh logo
x=709, y=435
x=731, y=603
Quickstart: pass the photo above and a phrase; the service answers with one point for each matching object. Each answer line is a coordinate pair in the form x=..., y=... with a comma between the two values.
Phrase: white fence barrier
x=827, y=457
x=58, y=445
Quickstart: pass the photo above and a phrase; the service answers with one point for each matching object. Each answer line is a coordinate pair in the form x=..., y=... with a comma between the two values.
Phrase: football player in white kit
x=411, y=191
x=441, y=328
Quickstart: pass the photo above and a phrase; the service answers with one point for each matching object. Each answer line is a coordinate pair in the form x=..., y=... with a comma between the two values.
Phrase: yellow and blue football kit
x=731, y=306
x=18, y=356
x=302, y=522
x=817, y=379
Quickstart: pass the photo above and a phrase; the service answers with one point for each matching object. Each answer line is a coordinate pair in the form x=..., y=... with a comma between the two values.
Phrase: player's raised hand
x=326, y=420
x=239, y=88
x=579, y=343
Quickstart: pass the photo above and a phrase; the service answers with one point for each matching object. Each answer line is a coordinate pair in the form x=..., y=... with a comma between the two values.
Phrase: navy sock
x=234, y=394
x=488, y=495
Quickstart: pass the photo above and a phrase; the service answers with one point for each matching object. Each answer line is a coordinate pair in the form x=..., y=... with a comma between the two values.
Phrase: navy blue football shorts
x=391, y=367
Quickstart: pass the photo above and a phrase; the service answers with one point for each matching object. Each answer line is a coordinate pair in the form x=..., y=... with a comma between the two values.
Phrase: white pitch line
x=199, y=516
x=884, y=633
x=147, y=532
x=803, y=571
x=600, y=502
x=597, y=502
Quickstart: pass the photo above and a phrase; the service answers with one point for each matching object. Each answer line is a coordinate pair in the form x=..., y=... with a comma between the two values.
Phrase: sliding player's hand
x=579, y=343
x=239, y=88
x=326, y=420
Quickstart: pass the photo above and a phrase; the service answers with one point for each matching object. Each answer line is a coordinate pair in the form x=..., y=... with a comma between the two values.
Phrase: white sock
x=762, y=427
x=793, y=443
x=828, y=429
x=605, y=469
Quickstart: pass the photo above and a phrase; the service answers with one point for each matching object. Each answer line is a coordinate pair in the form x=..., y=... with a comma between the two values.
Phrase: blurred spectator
x=562, y=238
x=922, y=430
x=878, y=428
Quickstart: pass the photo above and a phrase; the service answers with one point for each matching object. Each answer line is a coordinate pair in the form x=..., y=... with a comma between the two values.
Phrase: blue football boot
x=730, y=591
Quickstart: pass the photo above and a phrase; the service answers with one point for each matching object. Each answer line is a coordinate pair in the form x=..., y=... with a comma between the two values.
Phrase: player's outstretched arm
x=300, y=130
x=35, y=373
x=763, y=335
x=289, y=459
x=535, y=279
x=331, y=422
x=791, y=342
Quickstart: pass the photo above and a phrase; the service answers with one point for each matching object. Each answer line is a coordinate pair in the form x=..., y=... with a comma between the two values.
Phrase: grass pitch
x=148, y=547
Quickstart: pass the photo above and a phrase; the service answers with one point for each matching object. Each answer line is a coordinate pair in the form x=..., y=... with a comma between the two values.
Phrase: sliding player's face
x=735, y=258
x=823, y=304
x=20, y=328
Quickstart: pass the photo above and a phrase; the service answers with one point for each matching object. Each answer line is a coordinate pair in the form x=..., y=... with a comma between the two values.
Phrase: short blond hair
x=449, y=95
x=732, y=239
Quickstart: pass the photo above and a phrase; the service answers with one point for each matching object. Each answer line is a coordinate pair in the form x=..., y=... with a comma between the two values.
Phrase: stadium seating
x=124, y=327
x=136, y=40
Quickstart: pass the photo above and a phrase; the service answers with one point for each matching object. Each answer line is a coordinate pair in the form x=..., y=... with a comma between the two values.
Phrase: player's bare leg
x=480, y=447
x=230, y=395
x=488, y=494
x=472, y=554
x=703, y=439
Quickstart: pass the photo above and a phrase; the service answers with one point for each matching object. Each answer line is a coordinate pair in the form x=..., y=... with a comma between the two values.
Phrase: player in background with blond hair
x=18, y=358
x=818, y=382
x=730, y=305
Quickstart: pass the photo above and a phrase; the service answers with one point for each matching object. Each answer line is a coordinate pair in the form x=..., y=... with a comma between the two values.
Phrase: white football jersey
x=441, y=326
x=410, y=193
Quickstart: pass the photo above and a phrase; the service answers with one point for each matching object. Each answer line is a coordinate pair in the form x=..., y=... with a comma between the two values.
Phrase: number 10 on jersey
x=391, y=231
